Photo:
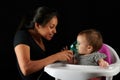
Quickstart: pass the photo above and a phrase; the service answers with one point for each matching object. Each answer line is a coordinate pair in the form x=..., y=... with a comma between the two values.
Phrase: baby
x=87, y=46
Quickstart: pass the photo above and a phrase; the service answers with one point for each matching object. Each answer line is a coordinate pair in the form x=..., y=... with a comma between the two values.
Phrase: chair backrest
x=112, y=56
x=106, y=50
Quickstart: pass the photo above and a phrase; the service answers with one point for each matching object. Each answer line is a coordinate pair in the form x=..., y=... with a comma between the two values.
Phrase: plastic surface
x=79, y=72
x=64, y=71
x=105, y=50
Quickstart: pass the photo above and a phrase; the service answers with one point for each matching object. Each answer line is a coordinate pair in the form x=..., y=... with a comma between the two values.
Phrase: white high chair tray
x=77, y=72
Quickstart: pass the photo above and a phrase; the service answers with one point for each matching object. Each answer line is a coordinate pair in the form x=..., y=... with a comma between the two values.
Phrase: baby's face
x=82, y=45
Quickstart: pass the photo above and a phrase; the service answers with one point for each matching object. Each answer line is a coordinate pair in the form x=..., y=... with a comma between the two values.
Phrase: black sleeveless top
x=36, y=53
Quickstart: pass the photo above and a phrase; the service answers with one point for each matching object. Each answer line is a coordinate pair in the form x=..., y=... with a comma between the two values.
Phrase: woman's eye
x=52, y=26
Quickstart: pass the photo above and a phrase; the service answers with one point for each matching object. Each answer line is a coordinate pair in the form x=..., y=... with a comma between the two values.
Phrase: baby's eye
x=78, y=44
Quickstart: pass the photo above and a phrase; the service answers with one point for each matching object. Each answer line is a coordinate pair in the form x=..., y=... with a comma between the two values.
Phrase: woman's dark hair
x=41, y=15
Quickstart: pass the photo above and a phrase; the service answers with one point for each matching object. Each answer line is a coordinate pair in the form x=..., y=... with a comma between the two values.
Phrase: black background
x=74, y=17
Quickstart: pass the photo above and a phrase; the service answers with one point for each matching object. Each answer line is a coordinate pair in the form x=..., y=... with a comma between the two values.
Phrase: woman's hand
x=64, y=55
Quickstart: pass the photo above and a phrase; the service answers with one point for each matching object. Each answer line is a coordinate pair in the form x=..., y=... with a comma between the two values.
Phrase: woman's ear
x=37, y=25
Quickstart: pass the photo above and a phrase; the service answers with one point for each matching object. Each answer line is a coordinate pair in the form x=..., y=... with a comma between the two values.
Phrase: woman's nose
x=54, y=31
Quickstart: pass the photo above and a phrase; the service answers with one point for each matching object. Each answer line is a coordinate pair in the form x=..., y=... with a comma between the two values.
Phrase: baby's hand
x=103, y=64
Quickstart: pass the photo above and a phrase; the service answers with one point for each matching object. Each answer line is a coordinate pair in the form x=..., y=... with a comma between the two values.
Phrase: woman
x=29, y=45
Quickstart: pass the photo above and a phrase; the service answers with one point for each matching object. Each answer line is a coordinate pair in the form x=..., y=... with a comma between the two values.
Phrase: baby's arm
x=103, y=63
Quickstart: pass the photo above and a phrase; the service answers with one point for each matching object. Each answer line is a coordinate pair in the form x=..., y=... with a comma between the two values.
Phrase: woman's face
x=49, y=29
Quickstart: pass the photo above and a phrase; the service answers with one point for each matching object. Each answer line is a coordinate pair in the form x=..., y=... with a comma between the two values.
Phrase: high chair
x=64, y=71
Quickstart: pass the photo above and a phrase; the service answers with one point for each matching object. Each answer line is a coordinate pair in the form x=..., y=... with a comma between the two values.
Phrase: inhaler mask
x=73, y=47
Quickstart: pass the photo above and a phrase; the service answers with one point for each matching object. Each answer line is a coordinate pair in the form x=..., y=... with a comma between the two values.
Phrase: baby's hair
x=93, y=37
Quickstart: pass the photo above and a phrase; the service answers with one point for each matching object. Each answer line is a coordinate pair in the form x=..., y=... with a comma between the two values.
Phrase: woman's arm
x=28, y=66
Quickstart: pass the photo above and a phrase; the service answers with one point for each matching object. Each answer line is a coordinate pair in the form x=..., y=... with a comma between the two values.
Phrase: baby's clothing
x=89, y=59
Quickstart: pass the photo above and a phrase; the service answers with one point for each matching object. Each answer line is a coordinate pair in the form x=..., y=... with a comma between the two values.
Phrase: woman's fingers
x=64, y=48
x=69, y=55
x=65, y=55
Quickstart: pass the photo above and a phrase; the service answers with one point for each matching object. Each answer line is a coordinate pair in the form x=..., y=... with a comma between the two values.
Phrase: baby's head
x=89, y=41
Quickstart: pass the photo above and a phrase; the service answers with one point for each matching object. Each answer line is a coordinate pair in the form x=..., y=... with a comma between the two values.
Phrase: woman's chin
x=49, y=38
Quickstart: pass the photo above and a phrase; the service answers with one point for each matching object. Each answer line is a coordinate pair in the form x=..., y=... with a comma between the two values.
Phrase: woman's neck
x=37, y=38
